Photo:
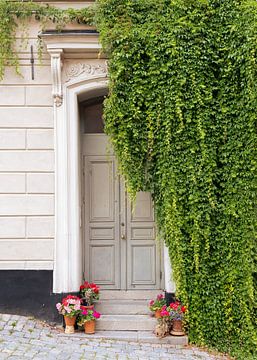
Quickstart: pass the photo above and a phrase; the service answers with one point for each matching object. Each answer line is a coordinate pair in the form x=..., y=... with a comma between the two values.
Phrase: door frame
x=67, y=275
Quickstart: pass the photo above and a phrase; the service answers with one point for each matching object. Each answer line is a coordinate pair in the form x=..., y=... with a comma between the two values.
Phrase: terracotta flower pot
x=177, y=328
x=89, y=327
x=70, y=322
x=157, y=314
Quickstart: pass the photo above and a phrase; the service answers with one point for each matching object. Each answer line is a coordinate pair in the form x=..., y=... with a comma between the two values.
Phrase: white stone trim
x=170, y=286
x=68, y=242
x=56, y=68
x=26, y=265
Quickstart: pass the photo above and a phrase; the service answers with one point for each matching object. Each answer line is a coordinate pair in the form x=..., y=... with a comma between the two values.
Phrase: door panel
x=143, y=253
x=120, y=247
x=101, y=175
x=143, y=210
x=143, y=265
x=100, y=254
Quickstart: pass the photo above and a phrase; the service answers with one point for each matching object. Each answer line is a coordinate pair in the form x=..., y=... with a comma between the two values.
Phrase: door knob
x=123, y=236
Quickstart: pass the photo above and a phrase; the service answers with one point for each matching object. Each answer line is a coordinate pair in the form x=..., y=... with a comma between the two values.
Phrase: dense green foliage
x=182, y=117
x=14, y=12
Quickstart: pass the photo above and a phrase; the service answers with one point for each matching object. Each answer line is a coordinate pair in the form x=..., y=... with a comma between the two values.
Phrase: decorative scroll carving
x=87, y=70
x=56, y=67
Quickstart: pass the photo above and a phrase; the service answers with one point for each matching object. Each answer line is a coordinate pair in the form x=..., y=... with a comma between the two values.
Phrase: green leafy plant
x=181, y=116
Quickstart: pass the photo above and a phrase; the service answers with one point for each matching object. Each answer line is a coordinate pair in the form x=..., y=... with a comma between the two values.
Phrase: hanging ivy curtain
x=181, y=115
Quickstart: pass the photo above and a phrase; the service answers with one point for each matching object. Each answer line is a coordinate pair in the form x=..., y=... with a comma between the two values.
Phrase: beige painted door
x=120, y=247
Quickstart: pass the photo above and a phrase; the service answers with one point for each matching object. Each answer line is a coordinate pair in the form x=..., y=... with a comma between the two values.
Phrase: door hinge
x=161, y=275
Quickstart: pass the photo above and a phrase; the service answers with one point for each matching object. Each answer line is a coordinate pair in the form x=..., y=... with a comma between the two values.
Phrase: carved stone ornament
x=56, y=68
x=86, y=70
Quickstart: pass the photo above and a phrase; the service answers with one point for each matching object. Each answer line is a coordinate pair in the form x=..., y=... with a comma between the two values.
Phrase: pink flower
x=58, y=306
x=164, y=312
x=76, y=307
x=151, y=303
x=159, y=297
x=67, y=309
x=96, y=314
x=84, y=312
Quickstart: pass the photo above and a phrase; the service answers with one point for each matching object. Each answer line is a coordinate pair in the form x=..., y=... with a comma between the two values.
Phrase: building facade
x=64, y=212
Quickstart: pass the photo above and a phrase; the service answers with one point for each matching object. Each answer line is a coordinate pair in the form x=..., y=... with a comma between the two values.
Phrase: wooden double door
x=119, y=241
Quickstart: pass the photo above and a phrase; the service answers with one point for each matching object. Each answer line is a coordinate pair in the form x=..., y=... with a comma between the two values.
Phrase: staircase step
x=126, y=322
x=135, y=336
x=121, y=307
x=129, y=294
x=147, y=337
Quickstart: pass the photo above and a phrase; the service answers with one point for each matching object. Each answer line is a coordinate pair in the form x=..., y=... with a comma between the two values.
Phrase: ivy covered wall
x=182, y=117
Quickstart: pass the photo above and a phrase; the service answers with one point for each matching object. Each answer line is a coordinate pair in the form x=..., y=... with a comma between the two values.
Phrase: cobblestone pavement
x=26, y=338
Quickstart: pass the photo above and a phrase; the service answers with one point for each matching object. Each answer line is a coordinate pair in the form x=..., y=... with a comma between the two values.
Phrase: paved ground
x=25, y=338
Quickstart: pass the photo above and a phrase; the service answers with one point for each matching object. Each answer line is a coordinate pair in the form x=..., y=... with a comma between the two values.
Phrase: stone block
x=40, y=139
x=40, y=183
x=12, y=183
x=12, y=95
x=39, y=95
x=26, y=117
x=12, y=227
x=27, y=161
x=40, y=227
x=42, y=75
x=12, y=139
x=21, y=249
x=26, y=205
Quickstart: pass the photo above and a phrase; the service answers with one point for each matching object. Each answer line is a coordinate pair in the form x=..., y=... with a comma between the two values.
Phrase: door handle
x=123, y=237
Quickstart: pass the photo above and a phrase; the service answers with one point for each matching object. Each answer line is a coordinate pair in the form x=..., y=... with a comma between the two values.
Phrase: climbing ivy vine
x=181, y=115
x=13, y=13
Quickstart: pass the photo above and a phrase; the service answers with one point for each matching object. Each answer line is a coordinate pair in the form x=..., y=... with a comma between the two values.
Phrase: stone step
x=121, y=307
x=134, y=336
x=129, y=294
x=126, y=323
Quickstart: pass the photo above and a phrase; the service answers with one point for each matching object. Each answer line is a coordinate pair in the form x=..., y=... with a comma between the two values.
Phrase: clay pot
x=177, y=328
x=157, y=314
x=89, y=327
x=70, y=322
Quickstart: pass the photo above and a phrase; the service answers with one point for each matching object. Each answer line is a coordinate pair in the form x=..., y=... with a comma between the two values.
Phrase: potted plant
x=89, y=293
x=177, y=311
x=163, y=327
x=157, y=305
x=69, y=308
x=87, y=319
